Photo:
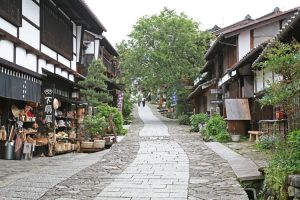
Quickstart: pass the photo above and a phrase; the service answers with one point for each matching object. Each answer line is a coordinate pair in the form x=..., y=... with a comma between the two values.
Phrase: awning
x=19, y=86
x=201, y=87
x=67, y=81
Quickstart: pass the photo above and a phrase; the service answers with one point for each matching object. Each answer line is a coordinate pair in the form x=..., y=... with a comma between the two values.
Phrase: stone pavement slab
x=244, y=168
x=152, y=125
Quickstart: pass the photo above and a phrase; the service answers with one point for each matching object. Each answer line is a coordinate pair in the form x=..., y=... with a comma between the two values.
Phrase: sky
x=119, y=16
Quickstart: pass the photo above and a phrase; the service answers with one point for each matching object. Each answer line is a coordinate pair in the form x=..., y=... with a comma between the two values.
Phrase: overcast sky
x=118, y=16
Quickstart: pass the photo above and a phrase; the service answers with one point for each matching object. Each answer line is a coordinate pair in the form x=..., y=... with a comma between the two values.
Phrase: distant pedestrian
x=139, y=100
x=144, y=101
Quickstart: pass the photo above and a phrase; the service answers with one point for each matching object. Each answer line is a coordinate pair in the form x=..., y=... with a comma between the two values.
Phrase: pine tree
x=95, y=90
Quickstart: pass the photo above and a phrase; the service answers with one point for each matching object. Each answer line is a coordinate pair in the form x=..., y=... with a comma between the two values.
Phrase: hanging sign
x=48, y=109
x=216, y=101
x=120, y=101
x=216, y=91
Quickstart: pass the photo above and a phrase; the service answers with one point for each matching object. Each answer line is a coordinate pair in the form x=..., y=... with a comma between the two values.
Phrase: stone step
x=245, y=169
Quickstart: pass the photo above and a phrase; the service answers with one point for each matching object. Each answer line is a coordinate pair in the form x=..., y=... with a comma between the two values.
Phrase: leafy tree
x=94, y=84
x=283, y=60
x=164, y=50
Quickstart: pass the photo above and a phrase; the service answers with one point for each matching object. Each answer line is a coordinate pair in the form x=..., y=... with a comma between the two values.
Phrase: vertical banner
x=48, y=108
x=174, y=99
x=120, y=100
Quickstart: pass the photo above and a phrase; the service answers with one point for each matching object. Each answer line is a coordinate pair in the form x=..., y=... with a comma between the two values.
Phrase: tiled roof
x=198, y=90
x=264, y=18
x=288, y=28
x=239, y=26
x=243, y=22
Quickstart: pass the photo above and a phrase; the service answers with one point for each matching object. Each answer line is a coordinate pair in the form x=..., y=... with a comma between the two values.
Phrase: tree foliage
x=283, y=60
x=94, y=84
x=164, y=49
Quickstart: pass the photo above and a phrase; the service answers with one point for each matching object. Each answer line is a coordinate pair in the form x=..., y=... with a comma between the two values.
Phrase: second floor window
x=56, y=30
x=10, y=10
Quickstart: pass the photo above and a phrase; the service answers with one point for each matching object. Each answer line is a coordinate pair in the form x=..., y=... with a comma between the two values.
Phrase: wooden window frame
x=60, y=38
x=12, y=6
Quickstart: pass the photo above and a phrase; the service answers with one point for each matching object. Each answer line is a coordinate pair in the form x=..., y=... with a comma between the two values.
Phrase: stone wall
x=294, y=187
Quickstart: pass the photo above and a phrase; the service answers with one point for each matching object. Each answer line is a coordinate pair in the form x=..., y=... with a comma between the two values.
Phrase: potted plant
x=95, y=125
x=235, y=137
x=168, y=105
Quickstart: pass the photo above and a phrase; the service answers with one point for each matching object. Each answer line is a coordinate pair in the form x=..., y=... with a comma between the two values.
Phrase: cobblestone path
x=160, y=170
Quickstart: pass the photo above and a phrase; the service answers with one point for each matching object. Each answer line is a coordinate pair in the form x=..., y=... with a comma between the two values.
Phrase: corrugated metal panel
x=237, y=109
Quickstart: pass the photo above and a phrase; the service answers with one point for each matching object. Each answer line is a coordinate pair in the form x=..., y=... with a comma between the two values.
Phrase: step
x=245, y=169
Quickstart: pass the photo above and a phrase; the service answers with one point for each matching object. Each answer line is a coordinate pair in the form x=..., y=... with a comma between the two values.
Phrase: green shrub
x=267, y=142
x=216, y=125
x=217, y=128
x=294, y=139
x=127, y=106
x=95, y=125
x=197, y=119
x=104, y=110
x=184, y=119
x=179, y=109
x=285, y=161
x=222, y=137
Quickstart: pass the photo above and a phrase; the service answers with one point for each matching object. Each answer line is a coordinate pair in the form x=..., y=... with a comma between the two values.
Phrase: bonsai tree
x=94, y=85
x=95, y=125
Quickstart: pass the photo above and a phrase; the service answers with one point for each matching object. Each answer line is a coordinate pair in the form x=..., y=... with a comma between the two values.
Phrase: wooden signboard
x=237, y=109
x=216, y=101
x=216, y=91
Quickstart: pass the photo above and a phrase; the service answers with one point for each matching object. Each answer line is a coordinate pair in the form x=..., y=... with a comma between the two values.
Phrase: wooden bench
x=255, y=134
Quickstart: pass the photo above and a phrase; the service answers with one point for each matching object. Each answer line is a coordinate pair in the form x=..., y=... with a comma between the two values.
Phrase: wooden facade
x=235, y=49
x=41, y=50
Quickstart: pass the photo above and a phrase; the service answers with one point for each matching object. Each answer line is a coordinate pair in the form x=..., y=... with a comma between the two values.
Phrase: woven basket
x=87, y=144
x=59, y=147
x=99, y=144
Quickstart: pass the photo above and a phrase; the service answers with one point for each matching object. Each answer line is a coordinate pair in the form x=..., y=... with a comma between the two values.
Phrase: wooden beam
x=28, y=48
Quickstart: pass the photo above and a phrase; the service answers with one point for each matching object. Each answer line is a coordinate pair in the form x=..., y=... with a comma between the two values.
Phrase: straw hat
x=56, y=104
x=15, y=111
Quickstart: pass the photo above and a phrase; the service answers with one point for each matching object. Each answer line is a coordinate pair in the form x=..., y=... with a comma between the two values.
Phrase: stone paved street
x=158, y=159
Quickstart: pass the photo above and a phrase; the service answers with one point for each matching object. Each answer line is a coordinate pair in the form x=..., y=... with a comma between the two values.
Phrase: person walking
x=139, y=100
x=144, y=101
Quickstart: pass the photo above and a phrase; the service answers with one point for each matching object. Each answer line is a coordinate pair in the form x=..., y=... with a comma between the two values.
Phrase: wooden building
x=290, y=31
x=233, y=85
x=41, y=49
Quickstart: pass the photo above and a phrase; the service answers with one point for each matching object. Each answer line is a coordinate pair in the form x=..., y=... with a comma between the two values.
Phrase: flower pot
x=100, y=144
x=280, y=115
x=235, y=138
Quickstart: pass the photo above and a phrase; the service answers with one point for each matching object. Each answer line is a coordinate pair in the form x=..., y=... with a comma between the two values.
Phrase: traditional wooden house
x=41, y=43
x=290, y=31
x=229, y=85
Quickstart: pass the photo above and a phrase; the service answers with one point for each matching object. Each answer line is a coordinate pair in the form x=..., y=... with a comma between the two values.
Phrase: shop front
x=62, y=112
x=20, y=95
